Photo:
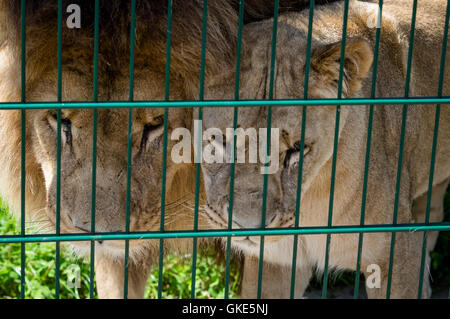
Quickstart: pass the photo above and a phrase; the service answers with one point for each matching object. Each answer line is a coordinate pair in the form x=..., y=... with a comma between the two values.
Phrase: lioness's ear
x=325, y=64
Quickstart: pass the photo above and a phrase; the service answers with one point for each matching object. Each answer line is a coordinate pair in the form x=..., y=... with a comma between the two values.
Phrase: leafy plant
x=40, y=271
x=209, y=282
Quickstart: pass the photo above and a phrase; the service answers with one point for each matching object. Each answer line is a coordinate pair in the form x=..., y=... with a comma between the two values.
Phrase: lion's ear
x=325, y=64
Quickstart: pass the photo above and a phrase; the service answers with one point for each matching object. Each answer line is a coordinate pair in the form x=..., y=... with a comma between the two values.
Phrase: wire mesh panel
x=234, y=103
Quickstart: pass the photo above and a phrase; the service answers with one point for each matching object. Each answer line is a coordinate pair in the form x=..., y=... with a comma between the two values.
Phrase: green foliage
x=40, y=271
x=209, y=282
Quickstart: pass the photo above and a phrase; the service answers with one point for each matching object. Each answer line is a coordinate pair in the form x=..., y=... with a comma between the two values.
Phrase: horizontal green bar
x=221, y=103
x=223, y=233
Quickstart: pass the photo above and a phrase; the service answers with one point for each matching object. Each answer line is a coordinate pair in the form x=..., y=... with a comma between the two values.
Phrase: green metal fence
x=24, y=238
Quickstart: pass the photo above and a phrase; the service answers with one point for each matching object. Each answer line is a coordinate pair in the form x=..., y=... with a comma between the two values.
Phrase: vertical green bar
x=23, y=141
x=58, y=150
x=198, y=168
x=302, y=147
x=130, y=143
x=269, y=121
x=433, y=152
x=335, y=148
x=402, y=140
x=233, y=164
x=94, y=146
x=368, y=144
x=164, y=166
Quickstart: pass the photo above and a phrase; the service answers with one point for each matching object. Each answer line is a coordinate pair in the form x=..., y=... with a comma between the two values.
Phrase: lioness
x=77, y=125
x=319, y=139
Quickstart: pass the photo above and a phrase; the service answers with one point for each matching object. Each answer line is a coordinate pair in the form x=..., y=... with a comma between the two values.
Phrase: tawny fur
x=319, y=140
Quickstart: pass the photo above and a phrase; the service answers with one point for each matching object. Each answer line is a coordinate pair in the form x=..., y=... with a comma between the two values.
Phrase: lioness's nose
x=82, y=225
x=253, y=221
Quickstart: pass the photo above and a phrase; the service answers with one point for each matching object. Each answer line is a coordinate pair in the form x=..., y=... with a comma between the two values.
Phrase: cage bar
x=368, y=145
x=350, y=229
x=269, y=122
x=130, y=144
x=302, y=147
x=433, y=151
x=233, y=148
x=198, y=168
x=58, y=149
x=94, y=144
x=164, y=165
x=335, y=147
x=224, y=103
x=23, y=148
x=402, y=140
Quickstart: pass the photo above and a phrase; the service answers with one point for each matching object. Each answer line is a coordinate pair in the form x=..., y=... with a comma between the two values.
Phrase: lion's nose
x=247, y=221
x=100, y=227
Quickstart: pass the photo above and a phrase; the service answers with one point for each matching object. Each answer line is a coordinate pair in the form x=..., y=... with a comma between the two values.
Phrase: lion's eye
x=66, y=128
x=152, y=133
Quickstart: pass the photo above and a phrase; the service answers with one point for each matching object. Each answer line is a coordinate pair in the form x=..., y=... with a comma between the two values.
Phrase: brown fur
x=77, y=85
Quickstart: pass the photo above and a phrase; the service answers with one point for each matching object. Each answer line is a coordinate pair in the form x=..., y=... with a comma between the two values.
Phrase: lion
x=112, y=142
x=290, y=66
